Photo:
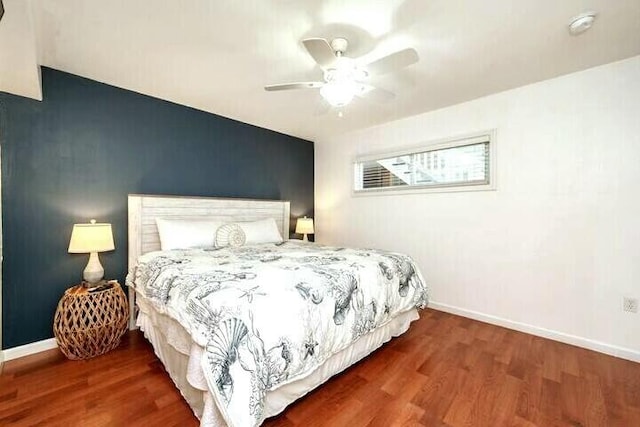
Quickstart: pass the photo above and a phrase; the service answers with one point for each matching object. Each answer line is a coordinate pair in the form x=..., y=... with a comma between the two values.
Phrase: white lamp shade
x=304, y=226
x=87, y=238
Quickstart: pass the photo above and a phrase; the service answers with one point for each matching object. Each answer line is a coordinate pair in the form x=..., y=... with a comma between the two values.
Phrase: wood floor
x=446, y=371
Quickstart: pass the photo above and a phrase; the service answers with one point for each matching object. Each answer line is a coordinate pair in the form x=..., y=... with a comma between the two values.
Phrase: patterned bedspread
x=270, y=314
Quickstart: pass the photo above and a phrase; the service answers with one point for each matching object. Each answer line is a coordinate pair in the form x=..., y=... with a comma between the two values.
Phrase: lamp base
x=93, y=272
x=304, y=237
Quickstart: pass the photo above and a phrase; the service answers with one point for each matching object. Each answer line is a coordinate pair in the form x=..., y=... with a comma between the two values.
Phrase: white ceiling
x=216, y=55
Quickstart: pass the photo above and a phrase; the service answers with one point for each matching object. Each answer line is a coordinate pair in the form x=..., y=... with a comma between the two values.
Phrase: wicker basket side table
x=90, y=323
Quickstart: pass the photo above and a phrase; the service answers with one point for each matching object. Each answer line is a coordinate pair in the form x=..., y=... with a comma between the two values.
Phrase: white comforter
x=270, y=314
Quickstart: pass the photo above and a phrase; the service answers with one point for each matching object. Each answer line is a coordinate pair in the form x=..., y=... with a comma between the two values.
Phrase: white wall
x=556, y=247
x=19, y=69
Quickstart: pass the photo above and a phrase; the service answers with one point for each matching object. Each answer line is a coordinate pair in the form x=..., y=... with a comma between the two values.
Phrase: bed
x=237, y=363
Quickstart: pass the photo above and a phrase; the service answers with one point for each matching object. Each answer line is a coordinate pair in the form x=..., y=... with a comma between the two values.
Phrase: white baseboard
x=28, y=349
x=613, y=350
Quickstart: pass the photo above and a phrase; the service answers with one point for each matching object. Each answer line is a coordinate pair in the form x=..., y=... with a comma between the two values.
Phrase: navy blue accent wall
x=78, y=153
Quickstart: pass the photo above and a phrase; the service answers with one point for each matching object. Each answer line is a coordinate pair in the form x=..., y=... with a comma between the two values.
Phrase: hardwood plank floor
x=446, y=371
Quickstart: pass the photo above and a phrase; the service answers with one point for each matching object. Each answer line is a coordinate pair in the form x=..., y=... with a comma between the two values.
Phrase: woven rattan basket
x=88, y=324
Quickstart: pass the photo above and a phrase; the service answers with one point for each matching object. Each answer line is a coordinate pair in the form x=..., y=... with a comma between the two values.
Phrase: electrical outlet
x=630, y=304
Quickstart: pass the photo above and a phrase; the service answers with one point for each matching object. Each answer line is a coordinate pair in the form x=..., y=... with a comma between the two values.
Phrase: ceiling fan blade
x=320, y=51
x=395, y=61
x=297, y=85
x=377, y=94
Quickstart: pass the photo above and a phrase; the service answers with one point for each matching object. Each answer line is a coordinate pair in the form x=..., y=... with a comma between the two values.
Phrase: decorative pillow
x=261, y=231
x=230, y=235
x=186, y=233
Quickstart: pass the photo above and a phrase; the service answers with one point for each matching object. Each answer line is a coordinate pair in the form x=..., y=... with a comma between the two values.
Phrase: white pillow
x=230, y=235
x=187, y=233
x=262, y=231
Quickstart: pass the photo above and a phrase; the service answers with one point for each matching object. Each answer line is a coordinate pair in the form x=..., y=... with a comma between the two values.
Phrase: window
x=460, y=164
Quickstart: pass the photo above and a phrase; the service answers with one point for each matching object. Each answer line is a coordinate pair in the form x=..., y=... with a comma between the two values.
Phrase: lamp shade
x=87, y=238
x=304, y=226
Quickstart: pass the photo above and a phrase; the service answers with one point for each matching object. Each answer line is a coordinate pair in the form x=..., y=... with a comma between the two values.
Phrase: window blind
x=458, y=163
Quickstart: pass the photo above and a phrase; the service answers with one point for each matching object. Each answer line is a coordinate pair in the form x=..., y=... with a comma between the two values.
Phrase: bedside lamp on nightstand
x=91, y=317
x=90, y=239
x=304, y=226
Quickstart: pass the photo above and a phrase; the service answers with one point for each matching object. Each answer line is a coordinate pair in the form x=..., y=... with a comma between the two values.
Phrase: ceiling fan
x=344, y=77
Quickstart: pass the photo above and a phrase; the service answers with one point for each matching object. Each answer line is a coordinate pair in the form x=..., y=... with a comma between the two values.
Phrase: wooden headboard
x=144, y=209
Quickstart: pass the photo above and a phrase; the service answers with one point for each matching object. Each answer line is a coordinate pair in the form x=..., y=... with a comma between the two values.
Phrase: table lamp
x=90, y=239
x=304, y=226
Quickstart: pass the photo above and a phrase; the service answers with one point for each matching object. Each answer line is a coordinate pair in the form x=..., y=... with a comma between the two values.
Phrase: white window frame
x=440, y=144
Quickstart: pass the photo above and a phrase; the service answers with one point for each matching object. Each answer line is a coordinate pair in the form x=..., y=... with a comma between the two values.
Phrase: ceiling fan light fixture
x=339, y=93
x=345, y=69
x=345, y=77
x=342, y=82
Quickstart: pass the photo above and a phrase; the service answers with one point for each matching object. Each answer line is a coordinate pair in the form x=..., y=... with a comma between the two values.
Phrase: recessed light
x=581, y=23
